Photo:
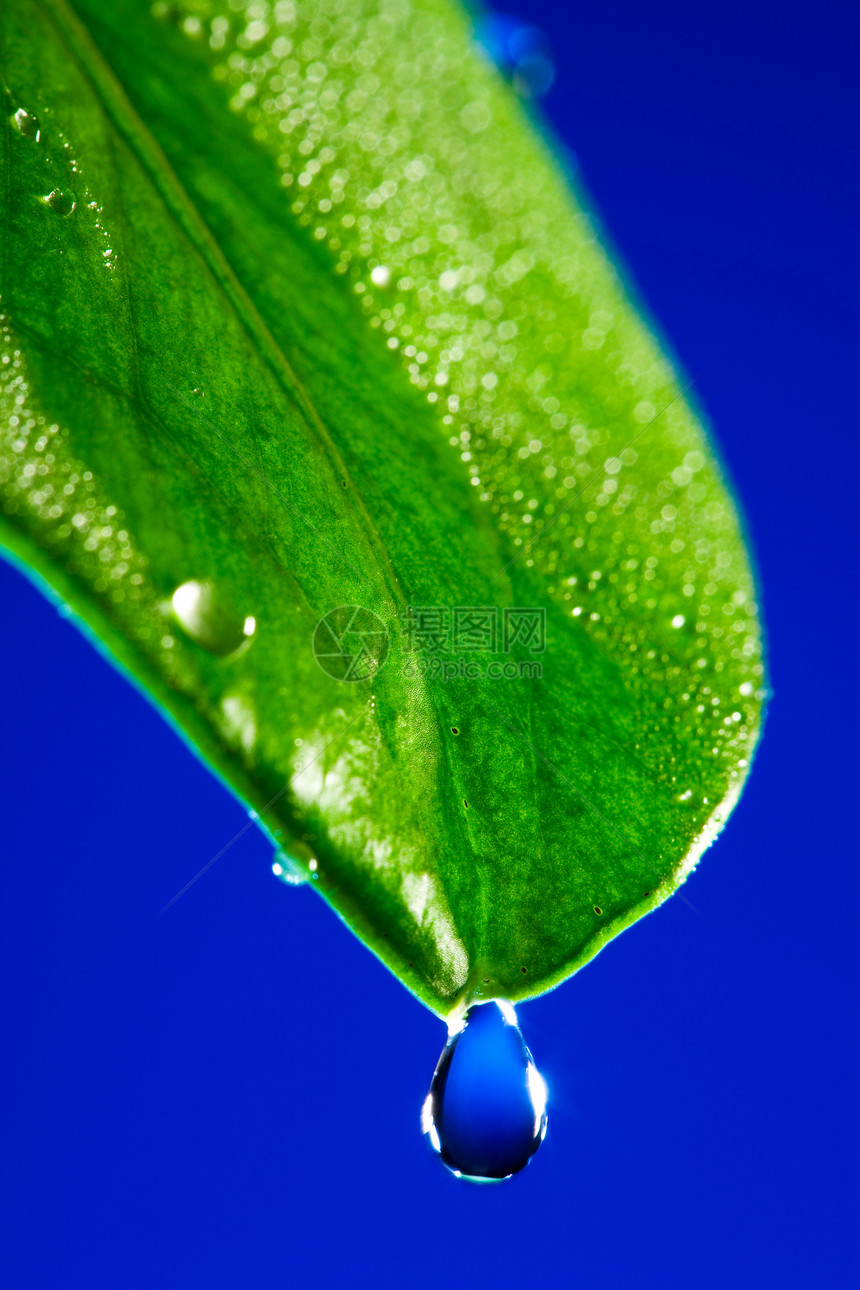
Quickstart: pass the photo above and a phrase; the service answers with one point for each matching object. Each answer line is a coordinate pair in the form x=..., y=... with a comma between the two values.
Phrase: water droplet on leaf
x=27, y=123
x=485, y=1113
x=209, y=620
x=61, y=200
x=288, y=870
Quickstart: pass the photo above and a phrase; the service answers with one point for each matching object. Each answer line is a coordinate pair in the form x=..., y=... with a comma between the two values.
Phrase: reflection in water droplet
x=288, y=870
x=27, y=124
x=485, y=1113
x=209, y=621
x=61, y=200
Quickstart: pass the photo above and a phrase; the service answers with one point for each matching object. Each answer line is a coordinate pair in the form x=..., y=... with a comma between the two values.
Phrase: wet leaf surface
x=324, y=409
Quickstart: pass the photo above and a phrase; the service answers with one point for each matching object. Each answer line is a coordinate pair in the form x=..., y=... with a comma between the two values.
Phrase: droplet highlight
x=485, y=1114
x=209, y=620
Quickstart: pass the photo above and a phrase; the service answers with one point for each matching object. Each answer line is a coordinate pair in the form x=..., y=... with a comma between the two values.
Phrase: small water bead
x=485, y=1113
x=61, y=200
x=288, y=870
x=27, y=123
x=208, y=620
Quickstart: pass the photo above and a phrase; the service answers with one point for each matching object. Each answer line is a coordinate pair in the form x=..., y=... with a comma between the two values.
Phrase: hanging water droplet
x=209, y=620
x=288, y=870
x=27, y=123
x=485, y=1113
x=61, y=200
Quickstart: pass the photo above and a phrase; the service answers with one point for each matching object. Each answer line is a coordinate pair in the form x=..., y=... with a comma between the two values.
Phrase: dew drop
x=288, y=870
x=485, y=1113
x=61, y=200
x=209, y=621
x=27, y=123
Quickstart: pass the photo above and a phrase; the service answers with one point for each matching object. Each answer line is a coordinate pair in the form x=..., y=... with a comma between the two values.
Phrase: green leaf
x=300, y=314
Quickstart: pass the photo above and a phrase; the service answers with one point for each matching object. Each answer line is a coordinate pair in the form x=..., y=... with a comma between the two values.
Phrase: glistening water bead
x=27, y=123
x=60, y=200
x=289, y=871
x=485, y=1113
x=210, y=620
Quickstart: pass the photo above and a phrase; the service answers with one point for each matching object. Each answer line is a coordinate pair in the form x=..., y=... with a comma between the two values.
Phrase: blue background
x=228, y=1094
